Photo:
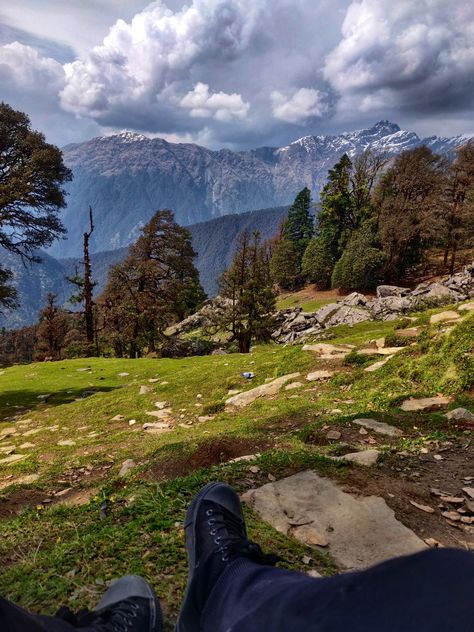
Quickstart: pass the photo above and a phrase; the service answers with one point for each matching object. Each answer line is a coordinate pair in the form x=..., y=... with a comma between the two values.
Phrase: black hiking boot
x=129, y=605
x=215, y=536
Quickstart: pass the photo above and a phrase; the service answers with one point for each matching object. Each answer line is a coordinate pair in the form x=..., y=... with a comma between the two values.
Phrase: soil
x=399, y=479
x=212, y=452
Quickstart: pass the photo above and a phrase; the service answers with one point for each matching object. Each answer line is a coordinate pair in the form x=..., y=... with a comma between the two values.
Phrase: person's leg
x=430, y=591
x=129, y=605
x=232, y=588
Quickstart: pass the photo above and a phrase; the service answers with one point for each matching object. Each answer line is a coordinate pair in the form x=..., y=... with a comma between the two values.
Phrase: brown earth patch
x=208, y=453
x=400, y=479
x=21, y=499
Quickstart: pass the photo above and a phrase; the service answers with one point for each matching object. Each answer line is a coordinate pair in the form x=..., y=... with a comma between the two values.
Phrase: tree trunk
x=88, y=286
x=244, y=343
x=453, y=259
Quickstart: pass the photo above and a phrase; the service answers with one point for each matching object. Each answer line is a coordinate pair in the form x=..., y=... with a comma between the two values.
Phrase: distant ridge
x=213, y=240
x=127, y=176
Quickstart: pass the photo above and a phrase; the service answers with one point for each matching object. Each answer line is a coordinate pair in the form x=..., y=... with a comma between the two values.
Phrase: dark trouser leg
x=431, y=591
x=15, y=619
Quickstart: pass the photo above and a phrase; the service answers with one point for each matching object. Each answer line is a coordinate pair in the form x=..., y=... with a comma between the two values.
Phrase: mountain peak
x=386, y=127
x=127, y=137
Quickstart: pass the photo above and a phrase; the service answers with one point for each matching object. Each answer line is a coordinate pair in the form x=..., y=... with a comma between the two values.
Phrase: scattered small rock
x=425, y=508
x=469, y=491
x=66, y=442
x=254, y=469
x=154, y=380
x=379, y=427
x=319, y=375
x=460, y=414
x=161, y=405
x=451, y=515
x=293, y=386
x=144, y=390
x=132, y=422
x=25, y=446
x=123, y=374
x=333, y=435
x=378, y=365
x=365, y=457
x=118, y=418
x=434, y=544
x=127, y=465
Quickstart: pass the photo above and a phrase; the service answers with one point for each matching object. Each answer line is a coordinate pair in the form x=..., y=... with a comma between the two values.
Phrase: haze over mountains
x=126, y=177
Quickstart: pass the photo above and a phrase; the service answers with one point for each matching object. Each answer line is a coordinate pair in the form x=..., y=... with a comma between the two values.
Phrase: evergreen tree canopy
x=156, y=285
x=247, y=286
x=32, y=175
x=299, y=225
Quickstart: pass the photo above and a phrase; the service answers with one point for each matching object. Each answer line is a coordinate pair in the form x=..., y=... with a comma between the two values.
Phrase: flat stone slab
x=444, y=316
x=385, y=351
x=329, y=352
x=144, y=390
x=378, y=365
x=264, y=390
x=293, y=385
x=379, y=426
x=425, y=404
x=164, y=413
x=13, y=458
x=466, y=307
x=315, y=376
x=358, y=531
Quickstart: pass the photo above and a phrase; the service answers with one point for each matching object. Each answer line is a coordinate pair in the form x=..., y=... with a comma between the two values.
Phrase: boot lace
x=231, y=540
x=120, y=618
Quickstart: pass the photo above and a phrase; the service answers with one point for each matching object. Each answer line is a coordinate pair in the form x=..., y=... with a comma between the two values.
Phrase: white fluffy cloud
x=219, y=105
x=24, y=68
x=304, y=104
x=149, y=61
x=416, y=56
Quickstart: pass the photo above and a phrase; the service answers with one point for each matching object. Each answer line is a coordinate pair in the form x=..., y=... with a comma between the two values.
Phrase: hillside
x=126, y=177
x=74, y=516
x=214, y=241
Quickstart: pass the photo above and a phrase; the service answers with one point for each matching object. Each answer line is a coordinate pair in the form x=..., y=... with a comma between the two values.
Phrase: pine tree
x=247, y=286
x=283, y=264
x=456, y=211
x=299, y=225
x=407, y=201
x=32, y=175
x=155, y=286
x=51, y=331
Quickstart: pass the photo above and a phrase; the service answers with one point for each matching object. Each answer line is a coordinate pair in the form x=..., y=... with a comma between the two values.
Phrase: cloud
x=31, y=82
x=305, y=103
x=219, y=105
x=405, y=55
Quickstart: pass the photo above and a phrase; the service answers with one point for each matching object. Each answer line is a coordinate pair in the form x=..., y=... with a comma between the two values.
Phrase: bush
x=318, y=263
x=360, y=266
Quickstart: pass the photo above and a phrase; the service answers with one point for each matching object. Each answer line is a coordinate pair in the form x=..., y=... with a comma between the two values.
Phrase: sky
x=238, y=73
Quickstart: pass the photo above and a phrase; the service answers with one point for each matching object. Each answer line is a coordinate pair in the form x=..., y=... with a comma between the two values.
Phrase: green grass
x=68, y=554
x=310, y=305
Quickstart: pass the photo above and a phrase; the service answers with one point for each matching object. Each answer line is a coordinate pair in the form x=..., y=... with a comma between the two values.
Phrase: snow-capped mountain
x=127, y=176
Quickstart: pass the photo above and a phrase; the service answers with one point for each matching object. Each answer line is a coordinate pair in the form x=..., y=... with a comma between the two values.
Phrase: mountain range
x=127, y=176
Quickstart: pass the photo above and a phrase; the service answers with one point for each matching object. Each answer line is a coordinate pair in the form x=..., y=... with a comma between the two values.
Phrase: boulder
x=324, y=313
x=383, y=291
x=355, y=299
x=390, y=306
x=264, y=390
x=466, y=307
x=347, y=315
